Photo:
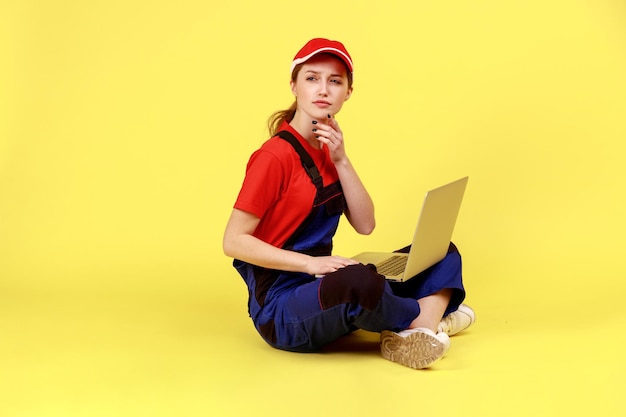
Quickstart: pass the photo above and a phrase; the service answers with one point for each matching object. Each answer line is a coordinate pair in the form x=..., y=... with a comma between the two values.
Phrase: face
x=321, y=87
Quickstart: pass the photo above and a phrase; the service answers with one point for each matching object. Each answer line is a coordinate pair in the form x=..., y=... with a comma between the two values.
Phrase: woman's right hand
x=322, y=265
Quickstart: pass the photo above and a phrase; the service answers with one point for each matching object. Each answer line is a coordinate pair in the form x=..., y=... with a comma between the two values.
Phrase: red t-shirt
x=278, y=190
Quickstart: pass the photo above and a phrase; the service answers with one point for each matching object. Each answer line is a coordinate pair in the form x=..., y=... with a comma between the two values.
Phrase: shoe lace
x=446, y=323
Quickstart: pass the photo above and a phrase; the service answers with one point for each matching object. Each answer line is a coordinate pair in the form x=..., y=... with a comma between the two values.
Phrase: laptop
x=431, y=239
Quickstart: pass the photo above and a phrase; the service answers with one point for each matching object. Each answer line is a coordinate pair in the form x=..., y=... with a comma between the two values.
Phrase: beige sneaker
x=445, y=340
x=457, y=321
x=416, y=348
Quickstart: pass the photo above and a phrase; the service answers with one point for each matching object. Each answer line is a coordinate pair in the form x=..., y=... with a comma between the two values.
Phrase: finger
x=323, y=130
x=324, y=140
x=346, y=264
x=330, y=142
x=347, y=261
x=323, y=127
x=325, y=134
x=332, y=122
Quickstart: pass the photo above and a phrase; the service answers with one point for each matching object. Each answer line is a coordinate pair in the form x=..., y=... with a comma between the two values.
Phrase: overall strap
x=305, y=158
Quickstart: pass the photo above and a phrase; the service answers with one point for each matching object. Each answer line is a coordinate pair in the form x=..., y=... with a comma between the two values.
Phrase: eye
x=311, y=78
x=336, y=81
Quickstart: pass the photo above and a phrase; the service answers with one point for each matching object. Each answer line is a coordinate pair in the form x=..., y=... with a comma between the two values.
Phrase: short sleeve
x=262, y=184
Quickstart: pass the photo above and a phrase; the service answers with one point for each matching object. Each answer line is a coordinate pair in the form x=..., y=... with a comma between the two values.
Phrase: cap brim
x=338, y=53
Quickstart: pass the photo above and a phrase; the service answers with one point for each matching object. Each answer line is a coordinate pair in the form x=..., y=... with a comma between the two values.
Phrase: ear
x=292, y=84
x=349, y=94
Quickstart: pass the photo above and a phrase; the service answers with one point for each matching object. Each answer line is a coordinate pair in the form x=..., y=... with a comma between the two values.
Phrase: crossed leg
x=432, y=309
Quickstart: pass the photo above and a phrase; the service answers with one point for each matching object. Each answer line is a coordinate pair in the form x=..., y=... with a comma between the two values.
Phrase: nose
x=323, y=91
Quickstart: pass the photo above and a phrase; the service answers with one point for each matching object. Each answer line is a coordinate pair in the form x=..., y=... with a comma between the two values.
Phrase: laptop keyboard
x=392, y=266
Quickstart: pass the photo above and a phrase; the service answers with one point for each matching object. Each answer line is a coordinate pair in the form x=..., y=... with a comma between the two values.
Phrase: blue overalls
x=298, y=312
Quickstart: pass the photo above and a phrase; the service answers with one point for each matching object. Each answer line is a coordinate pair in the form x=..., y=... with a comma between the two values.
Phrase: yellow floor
x=183, y=347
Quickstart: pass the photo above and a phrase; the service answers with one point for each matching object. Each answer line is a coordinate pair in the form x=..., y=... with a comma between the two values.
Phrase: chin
x=322, y=114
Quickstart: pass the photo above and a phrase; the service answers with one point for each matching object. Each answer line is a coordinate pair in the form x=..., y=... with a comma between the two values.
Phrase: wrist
x=304, y=263
x=343, y=162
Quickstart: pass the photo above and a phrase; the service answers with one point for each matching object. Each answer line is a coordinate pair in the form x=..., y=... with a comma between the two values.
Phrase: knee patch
x=355, y=284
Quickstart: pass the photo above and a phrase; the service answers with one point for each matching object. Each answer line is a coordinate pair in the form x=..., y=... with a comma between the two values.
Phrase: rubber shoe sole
x=415, y=348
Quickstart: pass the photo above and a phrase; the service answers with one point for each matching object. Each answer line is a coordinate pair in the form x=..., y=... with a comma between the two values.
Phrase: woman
x=297, y=185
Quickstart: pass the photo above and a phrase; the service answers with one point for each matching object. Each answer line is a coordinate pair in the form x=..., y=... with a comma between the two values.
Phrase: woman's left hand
x=331, y=135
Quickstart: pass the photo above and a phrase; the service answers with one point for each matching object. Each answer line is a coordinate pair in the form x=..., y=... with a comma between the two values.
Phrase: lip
x=321, y=103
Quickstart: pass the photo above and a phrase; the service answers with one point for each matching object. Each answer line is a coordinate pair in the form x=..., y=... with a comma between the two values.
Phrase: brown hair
x=277, y=118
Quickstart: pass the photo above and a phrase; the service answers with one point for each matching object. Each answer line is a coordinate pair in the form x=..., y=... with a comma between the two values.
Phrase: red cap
x=319, y=45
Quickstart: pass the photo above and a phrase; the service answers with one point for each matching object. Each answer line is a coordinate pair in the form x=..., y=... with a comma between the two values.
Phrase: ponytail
x=277, y=119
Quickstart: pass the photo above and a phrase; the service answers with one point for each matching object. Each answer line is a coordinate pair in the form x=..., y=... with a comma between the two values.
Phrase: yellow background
x=125, y=127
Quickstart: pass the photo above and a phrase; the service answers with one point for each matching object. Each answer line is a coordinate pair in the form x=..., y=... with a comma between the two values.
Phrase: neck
x=302, y=123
